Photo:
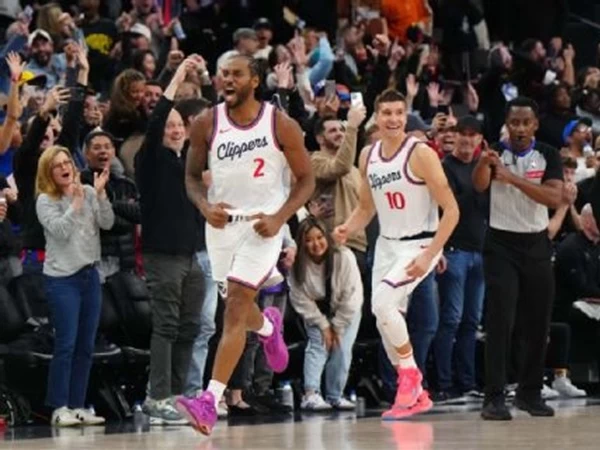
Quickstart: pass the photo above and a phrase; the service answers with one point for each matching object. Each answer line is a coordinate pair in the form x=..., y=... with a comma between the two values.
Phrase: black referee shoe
x=495, y=409
x=536, y=407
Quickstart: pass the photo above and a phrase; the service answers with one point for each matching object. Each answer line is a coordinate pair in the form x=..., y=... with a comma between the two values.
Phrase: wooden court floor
x=576, y=426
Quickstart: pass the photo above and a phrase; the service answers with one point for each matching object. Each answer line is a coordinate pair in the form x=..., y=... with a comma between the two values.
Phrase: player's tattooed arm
x=196, y=159
x=291, y=139
x=195, y=176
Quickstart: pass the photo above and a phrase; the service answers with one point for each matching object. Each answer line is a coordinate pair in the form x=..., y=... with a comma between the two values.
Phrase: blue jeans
x=422, y=320
x=75, y=304
x=336, y=363
x=208, y=328
x=461, y=290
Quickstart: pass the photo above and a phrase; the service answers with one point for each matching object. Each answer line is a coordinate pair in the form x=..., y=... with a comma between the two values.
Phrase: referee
x=524, y=178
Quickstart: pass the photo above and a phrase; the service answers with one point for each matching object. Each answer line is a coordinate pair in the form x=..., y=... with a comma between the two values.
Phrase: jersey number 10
x=395, y=200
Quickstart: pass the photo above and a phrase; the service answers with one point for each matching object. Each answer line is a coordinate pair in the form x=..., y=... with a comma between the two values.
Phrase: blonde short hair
x=44, y=183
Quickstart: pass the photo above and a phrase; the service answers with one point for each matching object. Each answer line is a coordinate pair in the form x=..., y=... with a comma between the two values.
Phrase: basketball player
x=403, y=182
x=251, y=148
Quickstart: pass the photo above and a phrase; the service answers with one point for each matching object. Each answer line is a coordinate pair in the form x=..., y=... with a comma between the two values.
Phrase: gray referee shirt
x=510, y=208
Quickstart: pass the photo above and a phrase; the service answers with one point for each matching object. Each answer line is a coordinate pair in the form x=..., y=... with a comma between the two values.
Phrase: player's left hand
x=419, y=266
x=267, y=226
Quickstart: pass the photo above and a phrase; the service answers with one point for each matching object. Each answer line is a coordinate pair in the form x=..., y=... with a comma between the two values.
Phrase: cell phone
x=444, y=109
x=178, y=31
x=28, y=14
x=329, y=88
x=77, y=94
x=356, y=99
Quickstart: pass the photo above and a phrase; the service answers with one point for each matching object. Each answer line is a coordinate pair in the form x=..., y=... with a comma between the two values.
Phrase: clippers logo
x=233, y=150
x=378, y=182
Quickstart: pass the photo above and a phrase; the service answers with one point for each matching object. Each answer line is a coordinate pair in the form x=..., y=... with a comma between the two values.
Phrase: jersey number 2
x=395, y=200
x=260, y=165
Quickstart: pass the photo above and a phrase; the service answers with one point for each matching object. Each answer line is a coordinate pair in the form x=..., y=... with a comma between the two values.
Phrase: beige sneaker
x=64, y=417
x=88, y=417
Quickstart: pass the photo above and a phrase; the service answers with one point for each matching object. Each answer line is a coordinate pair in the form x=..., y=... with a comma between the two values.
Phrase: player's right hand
x=340, y=234
x=216, y=215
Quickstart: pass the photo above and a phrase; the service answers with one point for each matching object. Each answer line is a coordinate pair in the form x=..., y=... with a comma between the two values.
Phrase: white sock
x=267, y=328
x=407, y=361
x=216, y=388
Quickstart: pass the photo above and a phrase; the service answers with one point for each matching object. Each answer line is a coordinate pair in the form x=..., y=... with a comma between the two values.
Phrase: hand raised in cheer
x=100, y=180
x=16, y=67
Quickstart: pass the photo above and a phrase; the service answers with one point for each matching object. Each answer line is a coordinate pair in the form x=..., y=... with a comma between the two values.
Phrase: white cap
x=39, y=33
x=141, y=29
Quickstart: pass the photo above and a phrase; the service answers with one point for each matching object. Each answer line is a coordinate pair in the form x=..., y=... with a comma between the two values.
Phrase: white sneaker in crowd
x=162, y=412
x=343, y=404
x=314, y=402
x=88, y=417
x=64, y=417
x=222, y=410
x=548, y=393
x=566, y=388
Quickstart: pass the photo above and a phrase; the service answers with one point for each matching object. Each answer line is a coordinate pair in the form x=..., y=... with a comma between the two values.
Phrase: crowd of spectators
x=97, y=100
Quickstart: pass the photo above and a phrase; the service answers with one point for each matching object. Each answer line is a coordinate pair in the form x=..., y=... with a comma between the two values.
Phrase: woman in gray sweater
x=327, y=292
x=71, y=215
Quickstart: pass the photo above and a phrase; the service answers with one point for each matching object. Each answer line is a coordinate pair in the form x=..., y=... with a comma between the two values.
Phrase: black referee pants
x=519, y=290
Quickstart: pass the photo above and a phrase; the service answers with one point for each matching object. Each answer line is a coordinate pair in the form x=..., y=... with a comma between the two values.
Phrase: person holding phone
x=71, y=215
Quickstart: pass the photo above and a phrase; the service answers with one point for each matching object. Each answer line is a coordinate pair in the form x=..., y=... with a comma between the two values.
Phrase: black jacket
x=10, y=244
x=577, y=272
x=170, y=222
x=119, y=241
x=26, y=165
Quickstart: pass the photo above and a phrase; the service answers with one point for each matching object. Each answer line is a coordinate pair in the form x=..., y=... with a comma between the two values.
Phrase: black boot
x=534, y=406
x=495, y=409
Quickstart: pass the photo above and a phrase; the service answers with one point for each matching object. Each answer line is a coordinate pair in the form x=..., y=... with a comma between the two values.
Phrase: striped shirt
x=512, y=210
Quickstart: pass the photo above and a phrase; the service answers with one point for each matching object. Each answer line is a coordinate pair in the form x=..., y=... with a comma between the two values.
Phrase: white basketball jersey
x=248, y=168
x=404, y=205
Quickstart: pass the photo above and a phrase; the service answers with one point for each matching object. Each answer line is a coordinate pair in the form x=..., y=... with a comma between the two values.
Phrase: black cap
x=262, y=23
x=95, y=133
x=467, y=123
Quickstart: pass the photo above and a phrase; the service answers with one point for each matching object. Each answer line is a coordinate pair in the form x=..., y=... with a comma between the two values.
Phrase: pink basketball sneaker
x=200, y=411
x=274, y=346
x=422, y=405
x=409, y=387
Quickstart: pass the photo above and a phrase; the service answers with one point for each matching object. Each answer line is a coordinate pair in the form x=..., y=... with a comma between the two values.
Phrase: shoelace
x=405, y=382
x=206, y=408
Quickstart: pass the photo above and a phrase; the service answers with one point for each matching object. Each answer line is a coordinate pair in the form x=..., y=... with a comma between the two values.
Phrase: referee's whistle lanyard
x=516, y=154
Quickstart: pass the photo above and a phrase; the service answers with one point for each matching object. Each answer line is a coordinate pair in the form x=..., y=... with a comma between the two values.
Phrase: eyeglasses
x=62, y=164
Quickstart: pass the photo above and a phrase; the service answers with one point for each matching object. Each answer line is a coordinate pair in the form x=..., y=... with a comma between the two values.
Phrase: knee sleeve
x=390, y=321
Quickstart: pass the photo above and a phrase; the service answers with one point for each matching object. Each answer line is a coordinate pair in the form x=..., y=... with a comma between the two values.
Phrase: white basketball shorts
x=238, y=254
x=389, y=266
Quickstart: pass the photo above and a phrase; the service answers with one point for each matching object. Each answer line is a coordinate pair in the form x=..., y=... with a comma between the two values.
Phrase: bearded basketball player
x=251, y=148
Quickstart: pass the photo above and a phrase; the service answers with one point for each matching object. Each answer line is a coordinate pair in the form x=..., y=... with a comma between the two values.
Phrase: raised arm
x=482, y=174
x=330, y=169
x=365, y=211
x=14, y=109
x=290, y=137
x=426, y=165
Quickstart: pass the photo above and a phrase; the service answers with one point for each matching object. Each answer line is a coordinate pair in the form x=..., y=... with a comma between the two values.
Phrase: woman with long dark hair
x=125, y=115
x=326, y=290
